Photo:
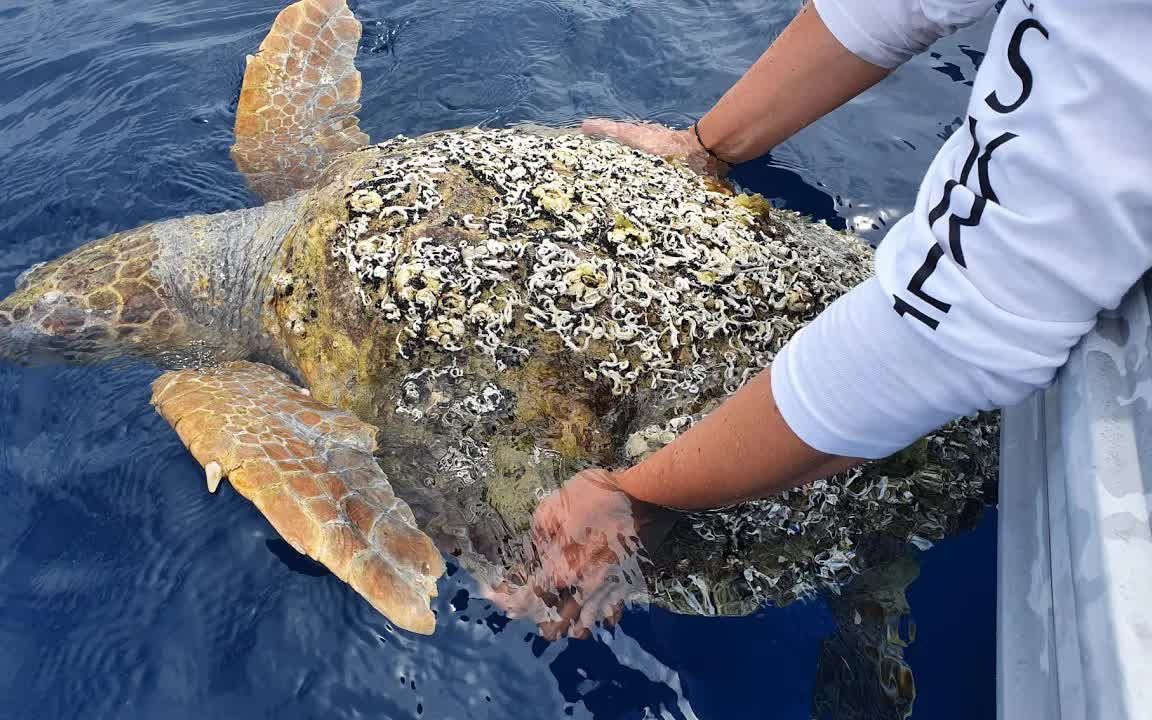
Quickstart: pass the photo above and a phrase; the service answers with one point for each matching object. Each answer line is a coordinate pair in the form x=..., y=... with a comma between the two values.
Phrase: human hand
x=586, y=541
x=659, y=140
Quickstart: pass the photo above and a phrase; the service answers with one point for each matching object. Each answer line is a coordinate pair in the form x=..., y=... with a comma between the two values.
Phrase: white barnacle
x=627, y=230
x=399, y=210
x=567, y=158
x=623, y=333
x=366, y=201
x=391, y=311
x=586, y=283
x=357, y=226
x=366, y=246
x=553, y=197
x=283, y=280
x=706, y=277
x=454, y=303
x=446, y=333
x=427, y=297
x=637, y=446
x=482, y=313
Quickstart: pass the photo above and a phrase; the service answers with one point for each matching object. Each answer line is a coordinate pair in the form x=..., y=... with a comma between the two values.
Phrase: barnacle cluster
x=608, y=249
x=819, y=536
x=448, y=398
x=505, y=261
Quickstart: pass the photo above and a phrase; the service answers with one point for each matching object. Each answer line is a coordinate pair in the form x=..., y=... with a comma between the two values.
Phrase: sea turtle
x=411, y=342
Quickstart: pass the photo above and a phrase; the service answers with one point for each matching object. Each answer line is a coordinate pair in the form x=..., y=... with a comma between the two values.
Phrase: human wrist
x=635, y=482
x=712, y=137
x=705, y=147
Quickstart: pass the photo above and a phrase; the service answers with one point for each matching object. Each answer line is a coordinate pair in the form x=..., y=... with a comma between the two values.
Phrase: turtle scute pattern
x=102, y=292
x=310, y=470
x=554, y=301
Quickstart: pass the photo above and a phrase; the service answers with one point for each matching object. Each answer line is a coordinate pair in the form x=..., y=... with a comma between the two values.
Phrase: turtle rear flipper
x=309, y=468
x=300, y=97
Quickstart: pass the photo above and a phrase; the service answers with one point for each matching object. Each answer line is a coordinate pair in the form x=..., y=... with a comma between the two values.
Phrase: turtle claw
x=309, y=468
x=214, y=474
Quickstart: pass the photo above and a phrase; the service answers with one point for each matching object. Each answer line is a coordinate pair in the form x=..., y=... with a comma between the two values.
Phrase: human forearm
x=805, y=74
x=831, y=52
x=741, y=451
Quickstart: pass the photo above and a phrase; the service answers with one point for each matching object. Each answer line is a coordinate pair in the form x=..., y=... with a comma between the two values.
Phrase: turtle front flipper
x=309, y=468
x=300, y=97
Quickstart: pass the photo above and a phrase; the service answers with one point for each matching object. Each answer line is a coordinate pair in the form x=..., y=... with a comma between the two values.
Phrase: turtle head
x=100, y=301
x=184, y=292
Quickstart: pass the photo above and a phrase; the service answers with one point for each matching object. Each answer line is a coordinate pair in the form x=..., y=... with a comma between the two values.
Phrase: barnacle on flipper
x=508, y=308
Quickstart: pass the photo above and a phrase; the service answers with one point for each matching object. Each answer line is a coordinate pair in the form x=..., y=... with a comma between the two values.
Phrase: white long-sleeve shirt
x=1033, y=217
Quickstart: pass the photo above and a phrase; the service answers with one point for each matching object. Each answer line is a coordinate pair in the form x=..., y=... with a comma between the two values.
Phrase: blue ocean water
x=127, y=591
